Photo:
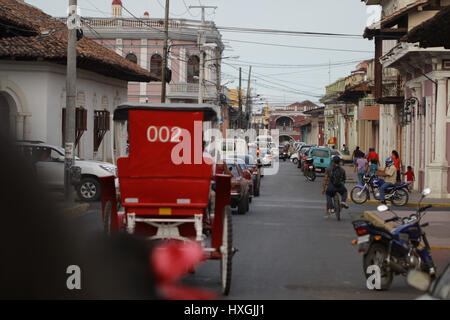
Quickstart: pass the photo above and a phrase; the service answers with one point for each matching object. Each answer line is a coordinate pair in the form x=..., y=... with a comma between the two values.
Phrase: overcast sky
x=331, y=16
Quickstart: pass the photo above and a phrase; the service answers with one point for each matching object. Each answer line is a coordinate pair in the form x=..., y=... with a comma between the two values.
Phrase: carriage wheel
x=226, y=251
x=107, y=218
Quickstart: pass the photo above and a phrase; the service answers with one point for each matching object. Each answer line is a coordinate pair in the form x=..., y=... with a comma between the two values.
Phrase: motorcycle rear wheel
x=310, y=175
x=376, y=255
x=400, y=198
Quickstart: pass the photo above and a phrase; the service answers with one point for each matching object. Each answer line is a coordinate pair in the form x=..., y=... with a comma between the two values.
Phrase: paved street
x=287, y=250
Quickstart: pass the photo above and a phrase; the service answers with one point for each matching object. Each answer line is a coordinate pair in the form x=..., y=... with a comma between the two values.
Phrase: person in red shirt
x=410, y=177
x=373, y=155
x=397, y=164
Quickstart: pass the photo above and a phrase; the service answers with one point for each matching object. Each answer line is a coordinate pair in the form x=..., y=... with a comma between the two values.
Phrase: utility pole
x=164, y=66
x=71, y=92
x=239, y=99
x=201, y=81
x=201, y=42
x=249, y=109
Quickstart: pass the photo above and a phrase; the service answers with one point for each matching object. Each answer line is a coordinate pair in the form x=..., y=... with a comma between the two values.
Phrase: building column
x=19, y=126
x=144, y=64
x=27, y=126
x=182, y=62
x=438, y=169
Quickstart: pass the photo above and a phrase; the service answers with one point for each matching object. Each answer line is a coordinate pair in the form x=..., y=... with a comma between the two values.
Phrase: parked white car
x=265, y=156
x=49, y=163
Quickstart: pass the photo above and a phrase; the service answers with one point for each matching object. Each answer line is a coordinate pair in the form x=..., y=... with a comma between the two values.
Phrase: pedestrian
x=344, y=148
x=361, y=168
x=373, y=167
x=410, y=177
x=373, y=155
x=357, y=154
x=397, y=164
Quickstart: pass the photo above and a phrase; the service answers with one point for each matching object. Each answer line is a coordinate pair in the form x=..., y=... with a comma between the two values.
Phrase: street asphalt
x=287, y=250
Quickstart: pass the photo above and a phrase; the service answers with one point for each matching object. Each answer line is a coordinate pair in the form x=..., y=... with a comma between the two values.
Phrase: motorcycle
x=309, y=170
x=397, y=194
x=398, y=251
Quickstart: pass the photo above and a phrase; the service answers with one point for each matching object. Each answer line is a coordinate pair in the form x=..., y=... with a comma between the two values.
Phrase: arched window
x=193, y=69
x=156, y=65
x=131, y=57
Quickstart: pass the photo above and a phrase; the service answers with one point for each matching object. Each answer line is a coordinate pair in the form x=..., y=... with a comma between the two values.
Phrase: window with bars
x=80, y=124
x=101, y=126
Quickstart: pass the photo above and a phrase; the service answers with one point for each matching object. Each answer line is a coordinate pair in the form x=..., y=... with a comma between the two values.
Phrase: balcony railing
x=130, y=23
x=191, y=90
x=369, y=102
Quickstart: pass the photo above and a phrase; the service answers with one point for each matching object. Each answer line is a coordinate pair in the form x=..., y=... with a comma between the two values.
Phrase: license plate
x=364, y=239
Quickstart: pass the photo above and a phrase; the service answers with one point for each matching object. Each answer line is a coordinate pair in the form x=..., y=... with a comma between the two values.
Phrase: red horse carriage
x=165, y=180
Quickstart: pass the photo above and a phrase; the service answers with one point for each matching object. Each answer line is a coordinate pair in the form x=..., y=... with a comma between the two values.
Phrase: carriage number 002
x=164, y=134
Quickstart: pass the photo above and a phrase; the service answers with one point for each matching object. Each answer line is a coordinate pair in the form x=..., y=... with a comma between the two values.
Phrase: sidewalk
x=414, y=196
x=74, y=207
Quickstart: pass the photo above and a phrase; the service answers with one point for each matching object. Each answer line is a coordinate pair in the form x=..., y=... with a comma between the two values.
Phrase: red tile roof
x=21, y=18
x=434, y=32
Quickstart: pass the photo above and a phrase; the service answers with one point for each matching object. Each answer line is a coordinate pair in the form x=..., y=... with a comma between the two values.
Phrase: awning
x=392, y=19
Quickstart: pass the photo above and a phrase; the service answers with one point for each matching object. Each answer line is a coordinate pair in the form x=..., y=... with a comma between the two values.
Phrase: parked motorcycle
x=397, y=194
x=398, y=251
x=309, y=170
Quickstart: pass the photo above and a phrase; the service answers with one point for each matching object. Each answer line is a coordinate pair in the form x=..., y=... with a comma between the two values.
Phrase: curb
x=380, y=222
x=77, y=209
x=409, y=204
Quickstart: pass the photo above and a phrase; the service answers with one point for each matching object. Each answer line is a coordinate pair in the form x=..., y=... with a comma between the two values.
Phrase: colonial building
x=425, y=116
x=291, y=121
x=33, y=55
x=141, y=41
x=411, y=39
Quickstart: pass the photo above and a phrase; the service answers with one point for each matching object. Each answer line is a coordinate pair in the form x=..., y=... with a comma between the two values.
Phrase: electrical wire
x=298, y=47
x=173, y=14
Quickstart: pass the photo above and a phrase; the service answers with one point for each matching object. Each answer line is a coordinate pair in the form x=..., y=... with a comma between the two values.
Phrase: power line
x=174, y=14
x=298, y=47
x=288, y=32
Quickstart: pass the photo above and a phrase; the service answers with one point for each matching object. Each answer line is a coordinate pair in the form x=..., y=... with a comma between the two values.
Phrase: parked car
x=345, y=157
x=49, y=163
x=321, y=158
x=255, y=170
x=247, y=174
x=294, y=158
x=437, y=289
x=265, y=156
x=239, y=188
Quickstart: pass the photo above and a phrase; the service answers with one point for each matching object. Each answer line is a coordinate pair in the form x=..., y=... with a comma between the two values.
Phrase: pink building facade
x=141, y=40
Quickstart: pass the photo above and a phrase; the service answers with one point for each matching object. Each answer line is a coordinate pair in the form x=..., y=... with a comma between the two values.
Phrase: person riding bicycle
x=334, y=182
x=390, y=177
